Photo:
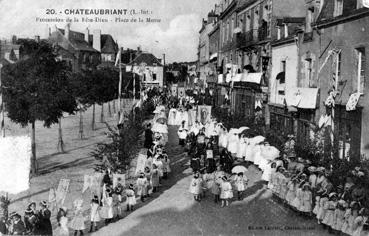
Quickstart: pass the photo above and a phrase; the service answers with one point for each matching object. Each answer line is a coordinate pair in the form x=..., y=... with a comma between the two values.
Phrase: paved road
x=174, y=212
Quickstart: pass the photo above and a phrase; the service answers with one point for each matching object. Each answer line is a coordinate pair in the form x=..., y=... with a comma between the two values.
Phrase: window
x=154, y=76
x=256, y=19
x=232, y=28
x=265, y=12
x=248, y=22
x=283, y=66
x=278, y=32
x=361, y=62
x=308, y=71
x=338, y=7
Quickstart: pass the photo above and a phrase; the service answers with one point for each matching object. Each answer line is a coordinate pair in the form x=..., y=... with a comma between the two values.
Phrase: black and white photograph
x=184, y=118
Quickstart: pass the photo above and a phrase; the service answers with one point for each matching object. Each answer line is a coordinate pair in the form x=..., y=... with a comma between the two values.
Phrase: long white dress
x=172, y=116
x=241, y=152
x=95, y=215
x=62, y=230
x=250, y=152
x=223, y=139
x=179, y=117
x=233, y=143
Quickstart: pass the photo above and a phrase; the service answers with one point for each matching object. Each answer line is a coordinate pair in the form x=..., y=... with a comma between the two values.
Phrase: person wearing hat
x=182, y=134
x=30, y=218
x=131, y=197
x=339, y=214
x=196, y=186
x=44, y=215
x=148, y=136
x=155, y=178
x=226, y=192
x=78, y=221
x=95, y=214
x=241, y=184
x=307, y=200
x=62, y=220
x=359, y=222
x=107, y=211
x=17, y=226
x=312, y=177
x=331, y=206
x=289, y=147
x=142, y=185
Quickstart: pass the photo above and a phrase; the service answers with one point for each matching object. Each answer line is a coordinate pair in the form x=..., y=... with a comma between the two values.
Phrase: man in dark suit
x=148, y=136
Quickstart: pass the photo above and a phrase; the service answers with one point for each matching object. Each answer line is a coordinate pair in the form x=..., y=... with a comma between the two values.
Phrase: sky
x=176, y=34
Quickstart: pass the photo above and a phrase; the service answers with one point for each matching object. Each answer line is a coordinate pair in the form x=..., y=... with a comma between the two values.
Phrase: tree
x=37, y=88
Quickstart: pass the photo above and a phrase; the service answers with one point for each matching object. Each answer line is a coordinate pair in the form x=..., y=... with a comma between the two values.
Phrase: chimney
x=87, y=33
x=138, y=49
x=96, y=43
x=37, y=38
x=66, y=31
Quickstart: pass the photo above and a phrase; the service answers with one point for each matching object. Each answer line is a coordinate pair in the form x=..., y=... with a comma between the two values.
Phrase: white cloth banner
x=141, y=160
x=62, y=191
x=119, y=179
x=203, y=114
x=15, y=163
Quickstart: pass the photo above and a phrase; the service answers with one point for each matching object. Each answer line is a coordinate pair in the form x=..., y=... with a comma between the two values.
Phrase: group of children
x=307, y=190
x=219, y=185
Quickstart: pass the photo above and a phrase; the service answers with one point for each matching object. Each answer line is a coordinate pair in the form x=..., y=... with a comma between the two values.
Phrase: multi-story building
x=332, y=58
x=204, y=46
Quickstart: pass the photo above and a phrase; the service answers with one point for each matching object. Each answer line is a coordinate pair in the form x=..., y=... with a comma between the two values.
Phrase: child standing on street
x=142, y=186
x=62, y=222
x=196, y=186
x=226, y=191
x=240, y=183
x=155, y=175
x=131, y=198
x=78, y=222
x=95, y=215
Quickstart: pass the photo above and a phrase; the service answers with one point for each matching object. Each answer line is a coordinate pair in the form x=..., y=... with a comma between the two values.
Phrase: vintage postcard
x=171, y=117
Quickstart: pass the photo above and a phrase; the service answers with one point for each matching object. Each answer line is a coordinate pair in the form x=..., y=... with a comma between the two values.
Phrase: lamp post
x=2, y=106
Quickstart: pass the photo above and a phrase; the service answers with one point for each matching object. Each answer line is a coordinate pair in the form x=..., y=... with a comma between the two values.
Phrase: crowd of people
x=35, y=221
x=308, y=190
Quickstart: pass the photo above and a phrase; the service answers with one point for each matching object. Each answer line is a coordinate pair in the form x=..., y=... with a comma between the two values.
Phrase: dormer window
x=338, y=8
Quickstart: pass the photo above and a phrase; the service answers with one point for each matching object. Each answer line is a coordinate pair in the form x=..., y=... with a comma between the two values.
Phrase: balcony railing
x=263, y=33
x=247, y=39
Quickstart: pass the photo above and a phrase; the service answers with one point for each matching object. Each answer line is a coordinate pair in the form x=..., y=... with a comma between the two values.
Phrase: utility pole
x=2, y=107
x=120, y=84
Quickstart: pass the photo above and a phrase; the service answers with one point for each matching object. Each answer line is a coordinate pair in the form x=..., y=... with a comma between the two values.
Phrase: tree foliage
x=38, y=86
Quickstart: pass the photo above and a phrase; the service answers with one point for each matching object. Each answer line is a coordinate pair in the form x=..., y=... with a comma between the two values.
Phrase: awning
x=305, y=98
x=281, y=77
x=252, y=78
x=213, y=56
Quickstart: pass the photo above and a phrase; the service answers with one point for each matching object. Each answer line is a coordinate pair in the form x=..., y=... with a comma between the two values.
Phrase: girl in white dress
x=241, y=184
x=172, y=116
x=307, y=199
x=233, y=141
x=131, y=197
x=359, y=222
x=196, y=187
x=142, y=185
x=349, y=218
x=78, y=221
x=226, y=192
x=95, y=215
x=291, y=192
x=329, y=215
x=62, y=219
x=241, y=152
x=107, y=210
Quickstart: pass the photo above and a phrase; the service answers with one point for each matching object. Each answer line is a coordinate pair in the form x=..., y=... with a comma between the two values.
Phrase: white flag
x=118, y=57
x=366, y=3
